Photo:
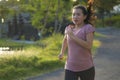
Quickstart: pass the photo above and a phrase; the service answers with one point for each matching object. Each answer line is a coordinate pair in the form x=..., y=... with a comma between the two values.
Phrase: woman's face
x=78, y=17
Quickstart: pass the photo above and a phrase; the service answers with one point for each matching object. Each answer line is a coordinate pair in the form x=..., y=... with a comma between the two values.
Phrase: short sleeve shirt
x=79, y=58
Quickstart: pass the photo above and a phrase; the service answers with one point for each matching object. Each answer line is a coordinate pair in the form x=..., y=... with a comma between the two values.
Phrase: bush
x=113, y=21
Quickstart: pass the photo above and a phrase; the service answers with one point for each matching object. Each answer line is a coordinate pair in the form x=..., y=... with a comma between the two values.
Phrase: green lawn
x=35, y=59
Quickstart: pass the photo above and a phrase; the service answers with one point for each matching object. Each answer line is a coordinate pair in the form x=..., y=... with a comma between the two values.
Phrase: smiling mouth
x=75, y=20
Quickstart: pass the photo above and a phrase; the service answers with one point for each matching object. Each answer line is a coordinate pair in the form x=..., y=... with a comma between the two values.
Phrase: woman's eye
x=77, y=14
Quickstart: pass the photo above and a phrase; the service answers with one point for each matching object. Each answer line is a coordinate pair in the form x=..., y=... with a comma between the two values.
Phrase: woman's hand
x=70, y=31
x=60, y=56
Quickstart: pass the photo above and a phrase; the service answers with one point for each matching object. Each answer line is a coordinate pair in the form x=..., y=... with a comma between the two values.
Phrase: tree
x=48, y=12
x=105, y=6
x=3, y=11
x=47, y=15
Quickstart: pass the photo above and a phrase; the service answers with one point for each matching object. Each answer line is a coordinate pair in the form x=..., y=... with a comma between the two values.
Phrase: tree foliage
x=50, y=15
x=106, y=5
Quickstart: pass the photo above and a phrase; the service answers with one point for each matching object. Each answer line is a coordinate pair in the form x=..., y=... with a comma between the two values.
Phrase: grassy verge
x=96, y=42
x=34, y=59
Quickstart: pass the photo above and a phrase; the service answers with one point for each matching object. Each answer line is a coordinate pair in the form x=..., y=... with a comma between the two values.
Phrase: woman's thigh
x=88, y=74
x=69, y=75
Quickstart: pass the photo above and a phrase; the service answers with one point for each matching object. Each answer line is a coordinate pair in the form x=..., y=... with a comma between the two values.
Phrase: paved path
x=106, y=61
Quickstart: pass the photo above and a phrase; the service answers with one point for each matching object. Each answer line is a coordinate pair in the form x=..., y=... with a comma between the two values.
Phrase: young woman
x=79, y=40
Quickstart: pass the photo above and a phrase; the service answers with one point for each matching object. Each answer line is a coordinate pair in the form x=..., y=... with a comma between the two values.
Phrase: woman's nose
x=75, y=16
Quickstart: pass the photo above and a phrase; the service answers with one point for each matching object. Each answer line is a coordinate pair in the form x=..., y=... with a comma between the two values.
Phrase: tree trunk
x=103, y=18
x=61, y=22
x=45, y=17
x=56, y=18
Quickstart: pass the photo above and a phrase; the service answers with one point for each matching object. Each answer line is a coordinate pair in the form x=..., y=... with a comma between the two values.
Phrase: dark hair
x=86, y=11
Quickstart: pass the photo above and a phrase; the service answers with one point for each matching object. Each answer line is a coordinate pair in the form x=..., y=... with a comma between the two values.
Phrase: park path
x=106, y=60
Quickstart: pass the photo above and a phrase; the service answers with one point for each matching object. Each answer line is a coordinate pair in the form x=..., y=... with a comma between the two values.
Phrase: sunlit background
x=31, y=33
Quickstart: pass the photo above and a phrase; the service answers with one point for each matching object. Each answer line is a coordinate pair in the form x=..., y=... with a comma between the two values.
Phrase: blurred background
x=49, y=16
x=31, y=33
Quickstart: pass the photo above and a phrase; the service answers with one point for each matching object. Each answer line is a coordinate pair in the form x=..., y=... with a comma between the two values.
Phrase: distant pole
x=1, y=28
x=0, y=31
x=2, y=20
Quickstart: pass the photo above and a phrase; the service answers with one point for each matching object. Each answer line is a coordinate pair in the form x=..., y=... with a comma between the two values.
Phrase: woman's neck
x=80, y=25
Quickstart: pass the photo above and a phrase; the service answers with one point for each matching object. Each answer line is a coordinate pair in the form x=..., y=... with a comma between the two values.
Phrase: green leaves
x=107, y=5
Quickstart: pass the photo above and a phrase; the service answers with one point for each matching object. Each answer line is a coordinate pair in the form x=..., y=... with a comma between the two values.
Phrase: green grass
x=99, y=35
x=35, y=59
x=113, y=21
x=96, y=44
x=32, y=60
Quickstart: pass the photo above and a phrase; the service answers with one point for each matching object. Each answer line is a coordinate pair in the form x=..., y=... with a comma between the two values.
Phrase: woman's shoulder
x=89, y=28
x=88, y=25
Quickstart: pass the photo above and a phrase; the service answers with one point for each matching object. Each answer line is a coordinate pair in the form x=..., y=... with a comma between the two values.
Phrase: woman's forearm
x=81, y=42
x=85, y=44
x=64, y=45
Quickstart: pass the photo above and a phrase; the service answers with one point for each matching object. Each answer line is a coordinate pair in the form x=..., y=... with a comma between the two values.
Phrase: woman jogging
x=79, y=39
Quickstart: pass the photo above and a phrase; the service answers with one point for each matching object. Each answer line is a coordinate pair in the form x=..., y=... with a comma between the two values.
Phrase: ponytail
x=90, y=16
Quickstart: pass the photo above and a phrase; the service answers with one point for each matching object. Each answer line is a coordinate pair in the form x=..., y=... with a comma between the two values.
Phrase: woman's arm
x=86, y=44
x=64, y=47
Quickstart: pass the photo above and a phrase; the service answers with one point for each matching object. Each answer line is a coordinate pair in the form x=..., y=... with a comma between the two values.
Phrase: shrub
x=113, y=21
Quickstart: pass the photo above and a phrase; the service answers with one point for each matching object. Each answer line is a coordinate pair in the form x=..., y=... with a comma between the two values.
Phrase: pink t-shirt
x=79, y=58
